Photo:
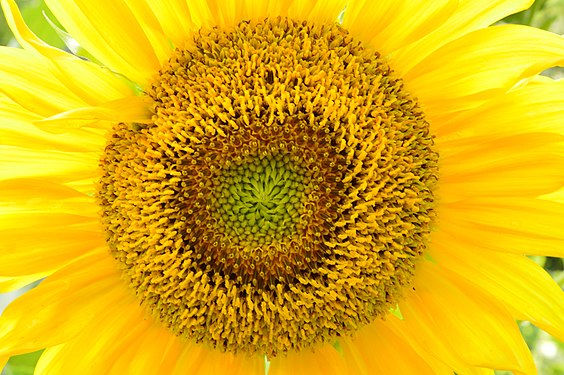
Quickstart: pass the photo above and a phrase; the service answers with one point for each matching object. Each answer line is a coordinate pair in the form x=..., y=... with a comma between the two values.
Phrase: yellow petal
x=260, y=9
x=61, y=306
x=472, y=153
x=192, y=357
x=29, y=191
x=201, y=15
x=3, y=361
x=520, y=284
x=391, y=25
x=323, y=361
x=40, y=251
x=482, y=65
x=153, y=352
x=496, y=165
x=109, y=30
x=200, y=359
x=44, y=226
x=42, y=366
x=30, y=195
x=129, y=110
x=225, y=12
x=50, y=165
x=527, y=175
x=422, y=337
x=174, y=17
x=70, y=70
x=154, y=25
x=533, y=107
x=17, y=130
x=316, y=10
x=556, y=196
x=120, y=340
x=513, y=225
x=473, y=324
x=376, y=349
x=470, y=15
x=9, y=284
x=18, y=220
x=26, y=80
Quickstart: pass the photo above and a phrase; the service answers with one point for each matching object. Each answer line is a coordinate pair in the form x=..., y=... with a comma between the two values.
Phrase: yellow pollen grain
x=281, y=196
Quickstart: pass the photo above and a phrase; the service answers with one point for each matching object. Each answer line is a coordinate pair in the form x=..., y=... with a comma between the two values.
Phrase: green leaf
x=23, y=364
x=35, y=13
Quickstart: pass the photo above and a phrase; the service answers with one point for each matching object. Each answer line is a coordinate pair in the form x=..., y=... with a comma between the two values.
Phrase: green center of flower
x=282, y=194
x=260, y=201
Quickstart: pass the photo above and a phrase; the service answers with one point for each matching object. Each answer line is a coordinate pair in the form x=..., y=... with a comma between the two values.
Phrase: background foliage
x=545, y=14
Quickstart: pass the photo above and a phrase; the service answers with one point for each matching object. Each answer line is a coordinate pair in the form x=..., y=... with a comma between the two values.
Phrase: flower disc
x=282, y=193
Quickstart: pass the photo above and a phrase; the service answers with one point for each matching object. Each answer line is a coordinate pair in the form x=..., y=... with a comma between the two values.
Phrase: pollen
x=281, y=195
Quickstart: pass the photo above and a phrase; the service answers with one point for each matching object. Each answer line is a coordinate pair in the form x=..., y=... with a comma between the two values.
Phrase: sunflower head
x=280, y=196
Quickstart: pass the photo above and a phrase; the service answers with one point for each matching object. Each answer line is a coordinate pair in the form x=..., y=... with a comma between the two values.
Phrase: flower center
x=260, y=201
x=282, y=194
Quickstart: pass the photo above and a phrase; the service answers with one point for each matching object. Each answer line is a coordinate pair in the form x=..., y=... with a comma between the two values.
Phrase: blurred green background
x=549, y=15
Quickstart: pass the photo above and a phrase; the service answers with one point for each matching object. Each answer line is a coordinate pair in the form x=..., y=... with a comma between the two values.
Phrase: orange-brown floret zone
x=355, y=151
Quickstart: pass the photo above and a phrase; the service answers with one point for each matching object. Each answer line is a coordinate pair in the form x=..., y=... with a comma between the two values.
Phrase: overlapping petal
x=122, y=331
x=469, y=16
x=18, y=129
x=324, y=361
x=65, y=68
x=110, y=32
x=534, y=106
x=481, y=66
x=61, y=306
x=512, y=225
x=25, y=80
x=476, y=323
x=382, y=23
x=55, y=165
x=395, y=355
x=519, y=283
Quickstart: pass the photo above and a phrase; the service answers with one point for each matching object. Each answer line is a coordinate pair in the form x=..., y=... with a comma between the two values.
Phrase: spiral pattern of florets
x=282, y=193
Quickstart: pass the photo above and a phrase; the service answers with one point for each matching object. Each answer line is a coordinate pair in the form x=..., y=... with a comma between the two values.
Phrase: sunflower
x=298, y=187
